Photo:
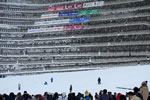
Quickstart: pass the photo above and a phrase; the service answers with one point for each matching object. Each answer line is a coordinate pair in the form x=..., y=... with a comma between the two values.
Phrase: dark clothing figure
x=55, y=97
x=122, y=97
x=99, y=80
x=45, y=83
x=70, y=88
x=136, y=92
x=19, y=86
x=6, y=97
x=71, y=96
x=104, y=96
x=19, y=97
x=26, y=96
x=12, y=96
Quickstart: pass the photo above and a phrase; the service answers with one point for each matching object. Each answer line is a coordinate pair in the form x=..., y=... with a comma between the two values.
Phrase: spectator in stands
x=50, y=97
x=96, y=96
x=63, y=96
x=114, y=96
x=6, y=97
x=104, y=96
x=45, y=96
x=110, y=96
x=118, y=96
x=71, y=96
x=26, y=96
x=1, y=97
x=87, y=95
x=12, y=96
x=132, y=96
x=144, y=90
x=136, y=91
x=122, y=97
x=19, y=97
x=40, y=97
x=33, y=97
x=90, y=96
x=55, y=96
x=79, y=96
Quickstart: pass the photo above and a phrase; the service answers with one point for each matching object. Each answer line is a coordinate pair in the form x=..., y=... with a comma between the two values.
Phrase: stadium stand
x=75, y=34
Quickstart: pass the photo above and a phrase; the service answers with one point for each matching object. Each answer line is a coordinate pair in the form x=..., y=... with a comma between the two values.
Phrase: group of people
x=141, y=93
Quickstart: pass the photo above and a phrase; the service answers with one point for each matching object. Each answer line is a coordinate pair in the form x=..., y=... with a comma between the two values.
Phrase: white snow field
x=129, y=77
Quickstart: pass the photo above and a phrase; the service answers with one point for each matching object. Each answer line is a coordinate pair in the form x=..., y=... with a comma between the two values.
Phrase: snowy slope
x=84, y=80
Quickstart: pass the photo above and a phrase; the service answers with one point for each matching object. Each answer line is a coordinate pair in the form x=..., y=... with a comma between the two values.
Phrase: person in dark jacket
x=123, y=97
x=136, y=92
x=19, y=97
x=70, y=88
x=12, y=96
x=104, y=96
x=96, y=96
x=6, y=97
x=26, y=96
x=99, y=80
x=1, y=97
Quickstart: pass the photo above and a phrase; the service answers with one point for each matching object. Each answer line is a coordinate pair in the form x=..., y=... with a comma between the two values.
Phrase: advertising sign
x=83, y=19
x=78, y=6
x=49, y=15
x=86, y=12
x=93, y=4
x=51, y=9
x=68, y=27
x=68, y=14
x=58, y=8
x=76, y=27
x=98, y=3
x=69, y=7
x=58, y=28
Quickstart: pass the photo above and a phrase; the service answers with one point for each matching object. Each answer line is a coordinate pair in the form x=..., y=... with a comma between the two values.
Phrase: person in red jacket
x=118, y=96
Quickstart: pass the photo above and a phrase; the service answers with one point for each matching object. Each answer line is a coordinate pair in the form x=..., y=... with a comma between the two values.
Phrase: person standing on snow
x=70, y=88
x=19, y=86
x=144, y=90
x=51, y=79
x=99, y=80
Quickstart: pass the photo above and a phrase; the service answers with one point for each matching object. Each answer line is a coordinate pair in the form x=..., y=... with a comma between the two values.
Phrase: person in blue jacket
x=104, y=96
x=51, y=79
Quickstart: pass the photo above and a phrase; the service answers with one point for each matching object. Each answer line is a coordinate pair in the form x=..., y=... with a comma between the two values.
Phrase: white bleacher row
x=51, y=66
x=75, y=45
x=87, y=35
x=32, y=69
x=70, y=42
x=73, y=61
x=73, y=36
x=146, y=15
x=75, y=54
x=61, y=41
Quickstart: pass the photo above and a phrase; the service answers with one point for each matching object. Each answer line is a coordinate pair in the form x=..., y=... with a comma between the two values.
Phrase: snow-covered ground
x=129, y=77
